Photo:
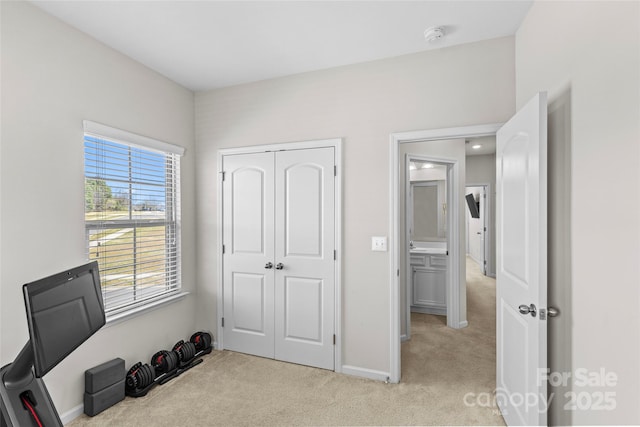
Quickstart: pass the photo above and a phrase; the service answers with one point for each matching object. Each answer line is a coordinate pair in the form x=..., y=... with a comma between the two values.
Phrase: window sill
x=135, y=312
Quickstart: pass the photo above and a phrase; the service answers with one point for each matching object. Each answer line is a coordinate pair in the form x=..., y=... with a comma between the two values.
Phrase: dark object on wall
x=474, y=207
x=50, y=302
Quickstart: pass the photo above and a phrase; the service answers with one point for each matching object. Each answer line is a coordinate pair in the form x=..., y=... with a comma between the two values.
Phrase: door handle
x=268, y=266
x=279, y=266
x=553, y=312
x=528, y=309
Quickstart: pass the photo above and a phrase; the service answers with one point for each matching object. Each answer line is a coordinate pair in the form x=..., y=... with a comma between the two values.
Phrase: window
x=132, y=216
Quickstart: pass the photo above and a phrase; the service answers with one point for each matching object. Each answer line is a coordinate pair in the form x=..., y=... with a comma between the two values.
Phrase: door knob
x=268, y=266
x=528, y=309
x=279, y=266
x=552, y=312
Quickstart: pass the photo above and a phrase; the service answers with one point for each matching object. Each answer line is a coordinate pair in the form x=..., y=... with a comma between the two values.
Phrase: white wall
x=482, y=170
x=363, y=104
x=53, y=77
x=434, y=174
x=587, y=56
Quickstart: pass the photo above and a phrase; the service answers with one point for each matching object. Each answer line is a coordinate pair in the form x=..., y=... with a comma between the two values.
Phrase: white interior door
x=521, y=218
x=248, y=237
x=278, y=261
x=305, y=235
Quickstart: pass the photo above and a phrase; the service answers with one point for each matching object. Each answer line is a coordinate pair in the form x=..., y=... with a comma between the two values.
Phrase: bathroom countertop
x=433, y=251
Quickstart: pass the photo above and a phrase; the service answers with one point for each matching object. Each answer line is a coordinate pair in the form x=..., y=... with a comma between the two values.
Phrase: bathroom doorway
x=428, y=187
x=445, y=145
x=450, y=155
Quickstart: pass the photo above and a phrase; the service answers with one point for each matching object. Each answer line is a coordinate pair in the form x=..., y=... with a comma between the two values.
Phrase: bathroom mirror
x=427, y=203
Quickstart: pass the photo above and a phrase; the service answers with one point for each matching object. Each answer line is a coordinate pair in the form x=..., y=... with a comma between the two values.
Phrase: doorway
x=456, y=288
x=476, y=224
x=428, y=192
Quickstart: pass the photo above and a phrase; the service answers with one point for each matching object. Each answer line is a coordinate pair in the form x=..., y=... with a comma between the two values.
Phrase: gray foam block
x=94, y=403
x=104, y=375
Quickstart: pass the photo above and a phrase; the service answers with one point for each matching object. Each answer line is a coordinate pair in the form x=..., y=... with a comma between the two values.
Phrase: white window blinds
x=132, y=216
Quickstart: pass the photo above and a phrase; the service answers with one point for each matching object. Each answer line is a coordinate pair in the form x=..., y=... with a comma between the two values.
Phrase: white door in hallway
x=521, y=286
x=279, y=267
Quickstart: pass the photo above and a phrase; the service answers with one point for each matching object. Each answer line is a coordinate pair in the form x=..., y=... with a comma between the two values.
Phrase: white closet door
x=248, y=239
x=305, y=236
x=279, y=267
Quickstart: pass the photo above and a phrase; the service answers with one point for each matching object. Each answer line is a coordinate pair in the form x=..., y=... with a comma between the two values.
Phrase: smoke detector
x=433, y=34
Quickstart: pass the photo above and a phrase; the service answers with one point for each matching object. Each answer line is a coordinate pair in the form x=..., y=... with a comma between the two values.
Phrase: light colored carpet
x=439, y=367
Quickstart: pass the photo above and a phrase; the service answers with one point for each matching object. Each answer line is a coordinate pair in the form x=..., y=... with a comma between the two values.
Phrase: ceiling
x=204, y=45
x=487, y=146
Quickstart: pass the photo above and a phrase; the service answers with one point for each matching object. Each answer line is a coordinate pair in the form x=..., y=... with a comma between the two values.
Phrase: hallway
x=458, y=362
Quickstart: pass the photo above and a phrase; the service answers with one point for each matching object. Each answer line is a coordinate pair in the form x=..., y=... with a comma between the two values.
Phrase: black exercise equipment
x=140, y=376
x=202, y=341
x=166, y=365
x=165, y=361
x=185, y=351
x=50, y=303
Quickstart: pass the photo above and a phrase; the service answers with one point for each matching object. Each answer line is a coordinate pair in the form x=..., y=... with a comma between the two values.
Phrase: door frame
x=453, y=284
x=486, y=215
x=336, y=144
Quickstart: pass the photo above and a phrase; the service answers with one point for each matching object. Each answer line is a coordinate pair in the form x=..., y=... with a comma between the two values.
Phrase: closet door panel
x=305, y=236
x=248, y=238
x=303, y=210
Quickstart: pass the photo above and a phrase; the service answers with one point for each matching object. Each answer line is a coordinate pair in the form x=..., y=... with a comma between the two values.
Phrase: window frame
x=171, y=222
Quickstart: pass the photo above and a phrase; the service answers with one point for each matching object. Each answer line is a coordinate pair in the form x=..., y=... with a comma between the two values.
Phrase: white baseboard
x=72, y=414
x=437, y=310
x=365, y=373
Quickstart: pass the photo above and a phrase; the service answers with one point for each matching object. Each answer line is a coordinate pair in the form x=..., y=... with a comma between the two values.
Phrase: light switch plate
x=379, y=243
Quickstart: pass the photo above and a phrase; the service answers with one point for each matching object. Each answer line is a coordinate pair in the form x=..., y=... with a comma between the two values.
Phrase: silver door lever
x=528, y=309
x=553, y=312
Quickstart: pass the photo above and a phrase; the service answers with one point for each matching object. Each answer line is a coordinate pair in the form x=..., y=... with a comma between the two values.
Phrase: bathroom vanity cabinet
x=428, y=282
